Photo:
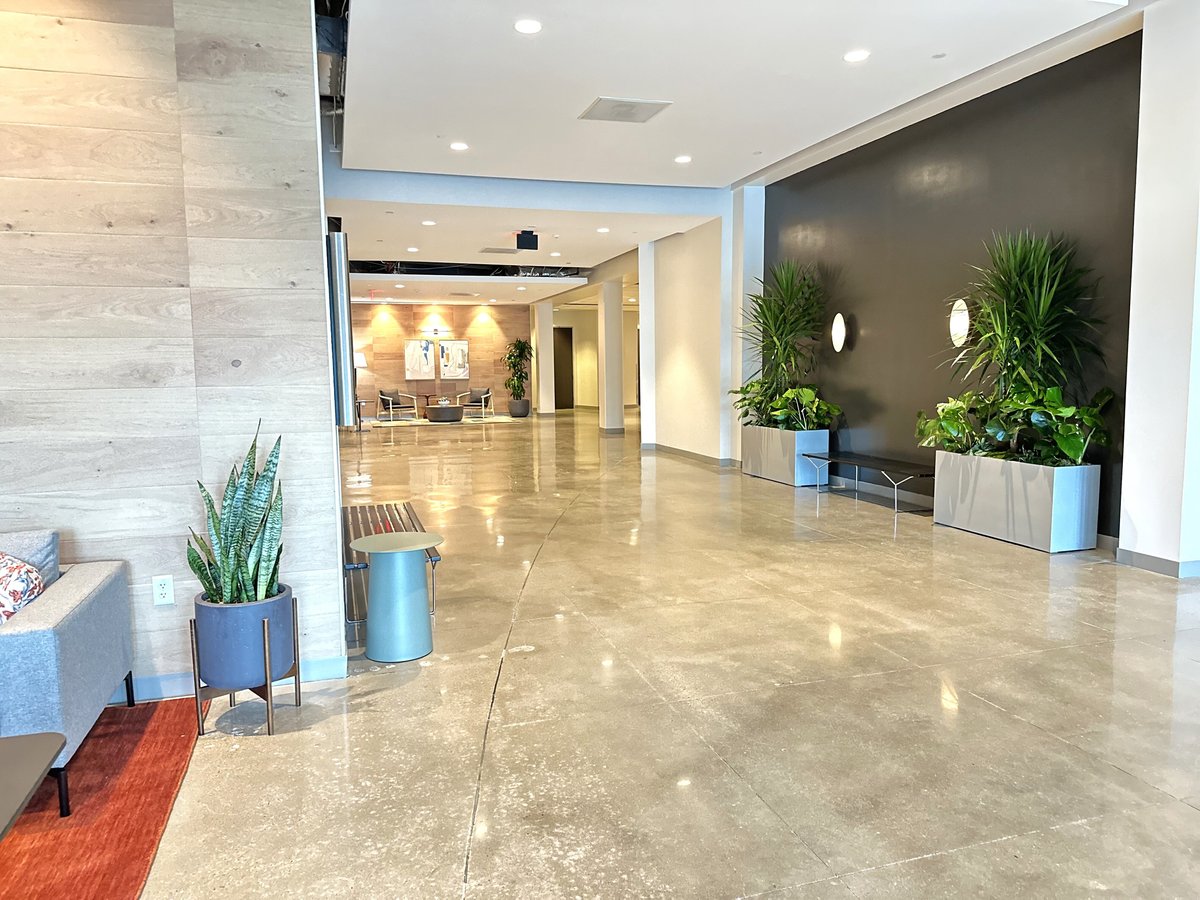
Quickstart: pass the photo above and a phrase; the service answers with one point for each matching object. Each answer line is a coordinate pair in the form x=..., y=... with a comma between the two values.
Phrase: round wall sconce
x=837, y=333
x=960, y=323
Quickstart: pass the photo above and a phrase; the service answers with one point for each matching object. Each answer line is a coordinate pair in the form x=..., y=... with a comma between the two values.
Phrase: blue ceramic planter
x=229, y=640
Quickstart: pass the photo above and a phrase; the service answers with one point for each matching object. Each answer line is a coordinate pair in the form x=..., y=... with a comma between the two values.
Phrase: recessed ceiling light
x=633, y=299
x=528, y=26
x=683, y=160
x=429, y=222
x=400, y=286
x=602, y=231
x=522, y=289
x=857, y=56
x=556, y=253
x=492, y=300
x=459, y=145
x=414, y=250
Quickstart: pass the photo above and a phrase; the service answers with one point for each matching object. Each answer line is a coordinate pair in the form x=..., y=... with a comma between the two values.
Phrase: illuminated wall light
x=835, y=636
x=837, y=333
x=960, y=323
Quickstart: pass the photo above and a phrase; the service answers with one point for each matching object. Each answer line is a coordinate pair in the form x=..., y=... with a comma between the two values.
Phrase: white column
x=1160, y=492
x=543, y=357
x=749, y=225
x=646, y=341
x=610, y=375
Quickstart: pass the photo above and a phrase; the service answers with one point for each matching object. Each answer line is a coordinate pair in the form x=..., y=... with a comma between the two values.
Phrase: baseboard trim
x=542, y=415
x=1107, y=543
x=688, y=454
x=1168, y=567
x=612, y=430
x=179, y=684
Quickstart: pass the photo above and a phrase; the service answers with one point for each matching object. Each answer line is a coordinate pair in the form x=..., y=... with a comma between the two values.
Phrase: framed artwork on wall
x=419, y=361
x=454, y=360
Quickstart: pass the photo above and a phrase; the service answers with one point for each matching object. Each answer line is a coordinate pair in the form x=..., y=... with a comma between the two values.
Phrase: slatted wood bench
x=378, y=518
x=904, y=470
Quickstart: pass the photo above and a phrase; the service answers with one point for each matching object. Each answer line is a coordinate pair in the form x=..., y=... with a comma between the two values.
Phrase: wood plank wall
x=162, y=289
x=380, y=331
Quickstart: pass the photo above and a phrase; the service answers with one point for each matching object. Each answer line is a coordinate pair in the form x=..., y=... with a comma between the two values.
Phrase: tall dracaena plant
x=239, y=561
x=784, y=322
x=517, y=356
x=1031, y=328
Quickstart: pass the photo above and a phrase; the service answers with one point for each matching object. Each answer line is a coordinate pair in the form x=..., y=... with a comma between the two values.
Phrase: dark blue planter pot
x=229, y=640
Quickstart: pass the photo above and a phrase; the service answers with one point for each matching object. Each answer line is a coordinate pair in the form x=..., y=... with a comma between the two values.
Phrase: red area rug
x=124, y=779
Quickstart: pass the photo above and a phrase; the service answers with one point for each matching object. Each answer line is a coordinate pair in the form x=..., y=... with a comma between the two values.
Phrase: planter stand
x=204, y=692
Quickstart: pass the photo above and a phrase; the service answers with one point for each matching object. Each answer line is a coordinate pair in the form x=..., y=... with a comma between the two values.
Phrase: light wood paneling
x=89, y=207
x=217, y=262
x=127, y=12
x=246, y=111
x=99, y=259
x=67, y=464
x=218, y=311
x=202, y=55
x=247, y=213
x=234, y=164
x=304, y=457
x=107, y=513
x=93, y=416
x=237, y=410
x=89, y=154
x=92, y=101
x=275, y=23
x=81, y=363
x=94, y=312
x=57, y=43
x=243, y=360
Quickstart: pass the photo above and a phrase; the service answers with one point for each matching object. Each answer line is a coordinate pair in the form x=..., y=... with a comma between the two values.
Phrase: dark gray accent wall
x=898, y=222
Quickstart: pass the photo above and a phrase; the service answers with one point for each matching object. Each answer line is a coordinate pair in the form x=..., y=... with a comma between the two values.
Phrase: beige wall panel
x=129, y=12
x=151, y=555
x=94, y=416
x=67, y=464
x=305, y=456
x=83, y=363
x=89, y=154
x=218, y=311
x=237, y=410
x=206, y=53
x=232, y=361
x=61, y=44
x=218, y=262
x=267, y=112
x=93, y=101
x=235, y=164
x=99, y=259
x=94, y=312
x=109, y=513
x=83, y=207
x=286, y=21
x=281, y=213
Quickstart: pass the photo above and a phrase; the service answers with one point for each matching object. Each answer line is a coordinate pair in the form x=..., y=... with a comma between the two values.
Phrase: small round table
x=444, y=413
x=399, y=626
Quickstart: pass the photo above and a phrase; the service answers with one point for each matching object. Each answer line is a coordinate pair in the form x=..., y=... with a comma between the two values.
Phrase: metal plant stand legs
x=264, y=690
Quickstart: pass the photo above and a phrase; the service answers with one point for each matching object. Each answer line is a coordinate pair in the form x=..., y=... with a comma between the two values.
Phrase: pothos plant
x=1030, y=332
x=238, y=562
x=796, y=409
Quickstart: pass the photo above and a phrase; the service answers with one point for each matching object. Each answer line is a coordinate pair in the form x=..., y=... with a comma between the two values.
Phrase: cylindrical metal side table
x=399, y=626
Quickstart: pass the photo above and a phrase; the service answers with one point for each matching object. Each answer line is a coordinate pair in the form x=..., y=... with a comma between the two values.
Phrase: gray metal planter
x=778, y=455
x=229, y=641
x=1050, y=508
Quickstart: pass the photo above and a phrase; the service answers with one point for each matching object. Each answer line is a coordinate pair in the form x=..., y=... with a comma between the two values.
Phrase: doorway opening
x=564, y=368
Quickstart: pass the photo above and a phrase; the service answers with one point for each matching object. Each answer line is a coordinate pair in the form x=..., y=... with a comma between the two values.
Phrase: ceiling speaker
x=527, y=240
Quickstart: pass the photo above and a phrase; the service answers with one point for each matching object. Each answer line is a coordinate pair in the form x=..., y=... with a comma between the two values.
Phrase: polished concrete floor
x=652, y=677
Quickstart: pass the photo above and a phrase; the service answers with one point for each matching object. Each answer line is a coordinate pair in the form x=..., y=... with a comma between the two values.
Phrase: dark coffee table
x=444, y=413
x=24, y=761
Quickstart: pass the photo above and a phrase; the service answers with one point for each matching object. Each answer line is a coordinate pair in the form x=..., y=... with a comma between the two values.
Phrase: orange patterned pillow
x=20, y=584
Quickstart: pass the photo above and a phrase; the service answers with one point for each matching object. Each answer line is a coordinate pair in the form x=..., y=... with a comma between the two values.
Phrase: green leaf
x=1071, y=443
x=272, y=536
x=200, y=569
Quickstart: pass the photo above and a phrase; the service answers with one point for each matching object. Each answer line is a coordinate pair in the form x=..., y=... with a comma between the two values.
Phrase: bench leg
x=129, y=689
x=819, y=466
x=433, y=589
x=64, y=794
x=896, y=489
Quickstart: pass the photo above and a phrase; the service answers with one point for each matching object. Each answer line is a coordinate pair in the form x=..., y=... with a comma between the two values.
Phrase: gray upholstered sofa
x=63, y=657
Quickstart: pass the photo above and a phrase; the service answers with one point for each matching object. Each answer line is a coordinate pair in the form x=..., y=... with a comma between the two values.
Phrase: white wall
x=688, y=339
x=630, y=362
x=586, y=336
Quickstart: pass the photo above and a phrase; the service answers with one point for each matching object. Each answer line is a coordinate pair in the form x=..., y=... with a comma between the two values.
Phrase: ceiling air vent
x=616, y=109
x=462, y=294
x=509, y=250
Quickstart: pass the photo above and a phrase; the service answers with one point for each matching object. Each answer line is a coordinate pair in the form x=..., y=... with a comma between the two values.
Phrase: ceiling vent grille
x=506, y=250
x=462, y=294
x=617, y=109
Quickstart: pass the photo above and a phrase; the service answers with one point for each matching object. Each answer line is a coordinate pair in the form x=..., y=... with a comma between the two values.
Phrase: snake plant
x=239, y=560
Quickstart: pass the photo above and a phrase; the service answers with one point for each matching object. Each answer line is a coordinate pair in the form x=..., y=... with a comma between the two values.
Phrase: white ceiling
x=751, y=83
x=439, y=290
x=377, y=230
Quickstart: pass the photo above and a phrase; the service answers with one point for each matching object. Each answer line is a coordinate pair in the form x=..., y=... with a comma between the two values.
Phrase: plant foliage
x=802, y=409
x=1031, y=325
x=517, y=356
x=784, y=322
x=238, y=562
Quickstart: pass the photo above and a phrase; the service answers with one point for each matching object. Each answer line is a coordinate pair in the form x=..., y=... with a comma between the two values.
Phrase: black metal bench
x=378, y=518
x=903, y=470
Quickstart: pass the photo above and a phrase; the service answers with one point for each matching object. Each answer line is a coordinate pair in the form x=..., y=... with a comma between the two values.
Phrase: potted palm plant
x=517, y=356
x=237, y=564
x=1011, y=456
x=782, y=416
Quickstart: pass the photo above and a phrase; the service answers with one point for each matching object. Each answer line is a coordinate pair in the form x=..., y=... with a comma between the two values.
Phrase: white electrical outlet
x=164, y=590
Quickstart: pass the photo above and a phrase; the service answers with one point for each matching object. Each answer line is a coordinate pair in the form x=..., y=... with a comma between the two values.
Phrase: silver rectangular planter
x=778, y=455
x=1050, y=508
